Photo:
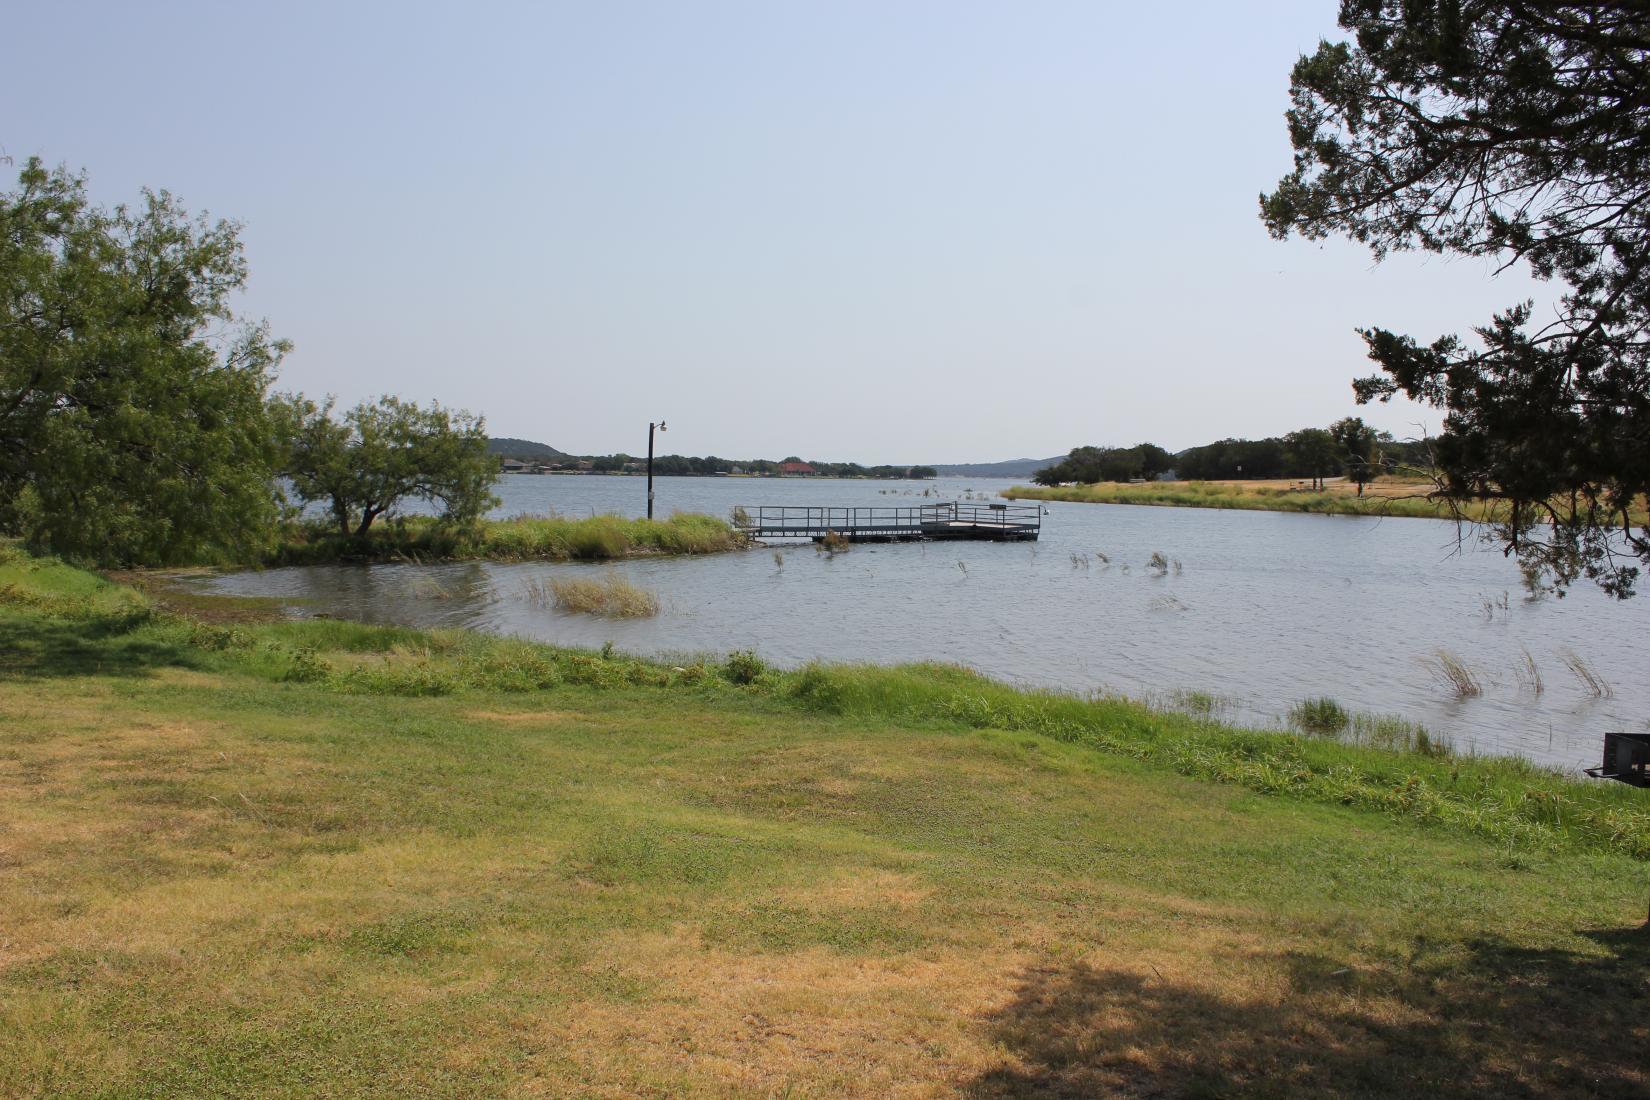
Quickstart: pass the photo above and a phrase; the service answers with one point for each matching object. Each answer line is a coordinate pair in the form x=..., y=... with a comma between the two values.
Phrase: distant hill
x=521, y=448
x=1014, y=467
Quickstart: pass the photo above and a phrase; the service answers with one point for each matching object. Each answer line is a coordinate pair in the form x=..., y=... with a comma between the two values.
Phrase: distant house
x=515, y=466
x=796, y=469
x=586, y=465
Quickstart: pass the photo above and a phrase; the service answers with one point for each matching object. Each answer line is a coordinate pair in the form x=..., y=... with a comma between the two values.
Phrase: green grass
x=303, y=858
x=1208, y=494
x=554, y=538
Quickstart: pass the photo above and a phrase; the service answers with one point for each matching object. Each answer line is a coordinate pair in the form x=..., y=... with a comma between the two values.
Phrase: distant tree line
x=1348, y=448
x=711, y=465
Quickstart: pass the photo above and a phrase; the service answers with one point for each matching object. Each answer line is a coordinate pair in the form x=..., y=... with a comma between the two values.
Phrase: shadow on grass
x=32, y=647
x=1502, y=1021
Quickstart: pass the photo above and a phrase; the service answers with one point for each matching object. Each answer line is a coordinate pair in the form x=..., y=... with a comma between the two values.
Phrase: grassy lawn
x=316, y=859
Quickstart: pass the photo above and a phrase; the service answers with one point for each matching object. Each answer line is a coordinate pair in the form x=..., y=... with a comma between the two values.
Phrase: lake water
x=1264, y=610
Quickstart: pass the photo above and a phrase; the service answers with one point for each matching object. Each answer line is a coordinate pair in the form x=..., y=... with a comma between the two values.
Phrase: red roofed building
x=795, y=469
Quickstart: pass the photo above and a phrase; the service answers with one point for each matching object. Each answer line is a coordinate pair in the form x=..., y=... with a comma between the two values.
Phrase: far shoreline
x=1407, y=499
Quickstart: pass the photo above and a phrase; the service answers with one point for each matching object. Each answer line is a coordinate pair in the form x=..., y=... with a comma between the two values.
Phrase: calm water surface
x=1265, y=609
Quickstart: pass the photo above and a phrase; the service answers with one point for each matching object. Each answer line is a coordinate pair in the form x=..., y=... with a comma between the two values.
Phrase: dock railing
x=948, y=520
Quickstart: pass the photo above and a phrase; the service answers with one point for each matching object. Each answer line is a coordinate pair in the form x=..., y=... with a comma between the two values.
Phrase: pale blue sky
x=876, y=231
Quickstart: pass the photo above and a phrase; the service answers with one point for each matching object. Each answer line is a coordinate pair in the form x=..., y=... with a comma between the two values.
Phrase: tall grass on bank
x=551, y=538
x=1507, y=799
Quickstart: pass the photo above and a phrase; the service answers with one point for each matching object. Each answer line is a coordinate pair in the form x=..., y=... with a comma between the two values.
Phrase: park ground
x=245, y=858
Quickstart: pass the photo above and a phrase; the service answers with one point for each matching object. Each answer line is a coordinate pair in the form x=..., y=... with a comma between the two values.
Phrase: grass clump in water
x=1319, y=716
x=1455, y=675
x=612, y=597
x=1590, y=680
x=834, y=542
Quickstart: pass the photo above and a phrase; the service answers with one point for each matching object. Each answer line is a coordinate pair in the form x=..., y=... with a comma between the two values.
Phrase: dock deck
x=993, y=522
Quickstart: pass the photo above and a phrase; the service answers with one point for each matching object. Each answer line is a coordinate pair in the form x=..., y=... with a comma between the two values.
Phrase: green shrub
x=305, y=665
x=743, y=666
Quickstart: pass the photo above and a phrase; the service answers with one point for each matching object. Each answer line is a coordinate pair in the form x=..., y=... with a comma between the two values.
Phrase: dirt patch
x=808, y=1023
x=526, y=717
x=849, y=890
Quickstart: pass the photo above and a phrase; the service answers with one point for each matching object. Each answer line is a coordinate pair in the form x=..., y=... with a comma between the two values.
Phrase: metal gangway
x=955, y=520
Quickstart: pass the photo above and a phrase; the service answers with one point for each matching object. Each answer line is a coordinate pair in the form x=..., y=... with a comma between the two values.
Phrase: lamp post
x=650, y=428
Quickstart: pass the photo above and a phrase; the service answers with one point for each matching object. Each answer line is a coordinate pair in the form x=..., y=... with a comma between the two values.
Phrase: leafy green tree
x=1091, y=464
x=1355, y=443
x=383, y=452
x=1233, y=458
x=1312, y=451
x=132, y=416
x=1515, y=132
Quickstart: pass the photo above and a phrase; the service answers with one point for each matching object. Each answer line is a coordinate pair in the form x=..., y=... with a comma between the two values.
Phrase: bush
x=743, y=666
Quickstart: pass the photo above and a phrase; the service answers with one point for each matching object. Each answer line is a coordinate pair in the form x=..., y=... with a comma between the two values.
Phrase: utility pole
x=650, y=428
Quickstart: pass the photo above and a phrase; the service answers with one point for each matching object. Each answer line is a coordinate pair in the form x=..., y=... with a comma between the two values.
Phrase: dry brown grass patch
x=525, y=717
x=612, y=597
x=811, y=1023
x=848, y=889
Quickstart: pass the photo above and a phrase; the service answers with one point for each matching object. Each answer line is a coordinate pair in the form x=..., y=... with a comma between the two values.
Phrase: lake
x=1258, y=609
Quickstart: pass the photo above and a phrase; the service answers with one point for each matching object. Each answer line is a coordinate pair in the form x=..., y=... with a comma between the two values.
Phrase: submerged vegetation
x=612, y=597
x=1590, y=680
x=1456, y=675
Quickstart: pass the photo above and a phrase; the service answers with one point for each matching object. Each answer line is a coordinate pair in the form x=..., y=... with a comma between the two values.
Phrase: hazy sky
x=887, y=232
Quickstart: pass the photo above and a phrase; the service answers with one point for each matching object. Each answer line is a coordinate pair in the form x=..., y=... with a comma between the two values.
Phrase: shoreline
x=1280, y=496
x=1424, y=780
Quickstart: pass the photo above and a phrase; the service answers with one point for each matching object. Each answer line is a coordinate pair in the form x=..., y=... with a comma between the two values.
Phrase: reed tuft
x=612, y=597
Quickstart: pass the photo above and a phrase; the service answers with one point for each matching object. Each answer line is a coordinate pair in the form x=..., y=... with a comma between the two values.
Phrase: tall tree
x=383, y=452
x=1514, y=131
x=1312, y=451
x=1355, y=444
x=1091, y=464
x=132, y=419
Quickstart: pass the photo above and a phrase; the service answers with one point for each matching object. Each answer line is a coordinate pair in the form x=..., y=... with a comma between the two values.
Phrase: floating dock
x=991, y=522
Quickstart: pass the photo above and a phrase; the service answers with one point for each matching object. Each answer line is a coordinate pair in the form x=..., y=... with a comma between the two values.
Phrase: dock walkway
x=994, y=522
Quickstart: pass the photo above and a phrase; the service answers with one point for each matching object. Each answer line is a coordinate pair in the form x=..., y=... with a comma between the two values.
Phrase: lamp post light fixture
x=650, y=429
